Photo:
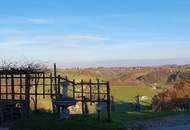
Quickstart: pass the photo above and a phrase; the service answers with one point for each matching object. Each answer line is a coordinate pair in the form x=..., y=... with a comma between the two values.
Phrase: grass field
x=47, y=121
x=121, y=95
x=127, y=94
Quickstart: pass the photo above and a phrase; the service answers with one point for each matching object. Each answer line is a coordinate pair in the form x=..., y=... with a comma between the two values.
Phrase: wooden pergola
x=16, y=84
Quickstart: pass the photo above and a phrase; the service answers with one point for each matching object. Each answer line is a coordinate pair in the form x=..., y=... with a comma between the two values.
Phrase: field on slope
x=127, y=94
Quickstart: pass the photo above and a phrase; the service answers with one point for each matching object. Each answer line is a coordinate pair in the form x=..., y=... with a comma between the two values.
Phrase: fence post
x=12, y=87
x=58, y=92
x=0, y=87
x=55, y=79
x=51, y=85
x=108, y=102
x=36, y=92
x=59, y=86
x=82, y=87
x=44, y=82
x=20, y=87
x=73, y=89
x=90, y=85
x=6, y=85
x=27, y=94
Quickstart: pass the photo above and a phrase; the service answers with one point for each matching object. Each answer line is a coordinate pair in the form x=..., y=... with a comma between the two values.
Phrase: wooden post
x=59, y=85
x=58, y=94
x=36, y=92
x=108, y=102
x=82, y=87
x=90, y=85
x=0, y=87
x=73, y=89
x=55, y=78
x=27, y=94
x=65, y=86
x=51, y=85
x=6, y=85
x=12, y=87
x=98, y=81
x=20, y=87
x=44, y=86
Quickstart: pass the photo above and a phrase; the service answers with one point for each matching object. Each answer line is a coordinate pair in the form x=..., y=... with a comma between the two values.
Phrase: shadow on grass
x=126, y=106
x=42, y=120
x=48, y=121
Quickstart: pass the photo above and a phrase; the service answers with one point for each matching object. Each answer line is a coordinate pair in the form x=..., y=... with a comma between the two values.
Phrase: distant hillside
x=122, y=76
x=176, y=94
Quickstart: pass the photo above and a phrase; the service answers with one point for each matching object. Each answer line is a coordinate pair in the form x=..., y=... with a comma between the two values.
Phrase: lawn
x=121, y=95
x=127, y=94
x=47, y=121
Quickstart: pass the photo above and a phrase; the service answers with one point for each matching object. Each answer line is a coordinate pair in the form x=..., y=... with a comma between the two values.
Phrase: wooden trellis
x=18, y=87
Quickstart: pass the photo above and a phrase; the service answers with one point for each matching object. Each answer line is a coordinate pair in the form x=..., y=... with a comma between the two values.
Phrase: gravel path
x=183, y=127
x=178, y=122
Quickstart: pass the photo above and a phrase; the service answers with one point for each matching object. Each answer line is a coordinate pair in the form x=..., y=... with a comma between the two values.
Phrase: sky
x=92, y=31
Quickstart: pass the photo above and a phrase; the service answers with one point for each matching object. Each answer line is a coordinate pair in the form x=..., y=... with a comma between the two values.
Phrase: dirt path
x=178, y=122
x=182, y=127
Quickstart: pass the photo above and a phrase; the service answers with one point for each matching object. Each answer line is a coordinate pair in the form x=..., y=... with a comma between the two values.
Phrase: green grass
x=52, y=122
x=127, y=94
x=45, y=121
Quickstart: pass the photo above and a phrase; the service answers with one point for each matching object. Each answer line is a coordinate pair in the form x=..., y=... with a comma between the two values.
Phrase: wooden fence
x=24, y=87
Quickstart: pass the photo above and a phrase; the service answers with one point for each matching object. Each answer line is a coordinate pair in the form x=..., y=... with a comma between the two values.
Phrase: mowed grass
x=121, y=94
x=48, y=121
x=120, y=120
x=127, y=94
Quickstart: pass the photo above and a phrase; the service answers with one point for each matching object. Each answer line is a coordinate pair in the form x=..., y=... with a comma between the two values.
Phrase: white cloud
x=25, y=20
x=68, y=41
x=68, y=38
x=6, y=32
x=39, y=21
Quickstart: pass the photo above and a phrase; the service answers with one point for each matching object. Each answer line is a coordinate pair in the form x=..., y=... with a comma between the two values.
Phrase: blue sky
x=71, y=31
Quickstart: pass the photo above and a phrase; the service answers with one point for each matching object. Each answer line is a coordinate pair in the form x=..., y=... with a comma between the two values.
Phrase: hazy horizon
x=124, y=63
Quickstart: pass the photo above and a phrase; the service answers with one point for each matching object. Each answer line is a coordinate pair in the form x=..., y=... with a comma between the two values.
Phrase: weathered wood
x=82, y=91
x=51, y=91
x=6, y=85
x=55, y=78
x=44, y=85
x=21, y=87
x=59, y=86
x=58, y=92
x=98, y=81
x=73, y=89
x=108, y=102
x=82, y=97
x=27, y=94
x=90, y=85
x=36, y=93
x=12, y=87
x=0, y=87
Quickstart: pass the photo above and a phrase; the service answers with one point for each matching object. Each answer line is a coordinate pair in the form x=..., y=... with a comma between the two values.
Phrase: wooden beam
x=108, y=102
x=55, y=78
x=12, y=87
x=21, y=87
x=36, y=93
x=98, y=82
x=44, y=85
x=51, y=91
x=82, y=97
x=0, y=87
x=6, y=85
x=27, y=94
x=90, y=85
x=73, y=89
